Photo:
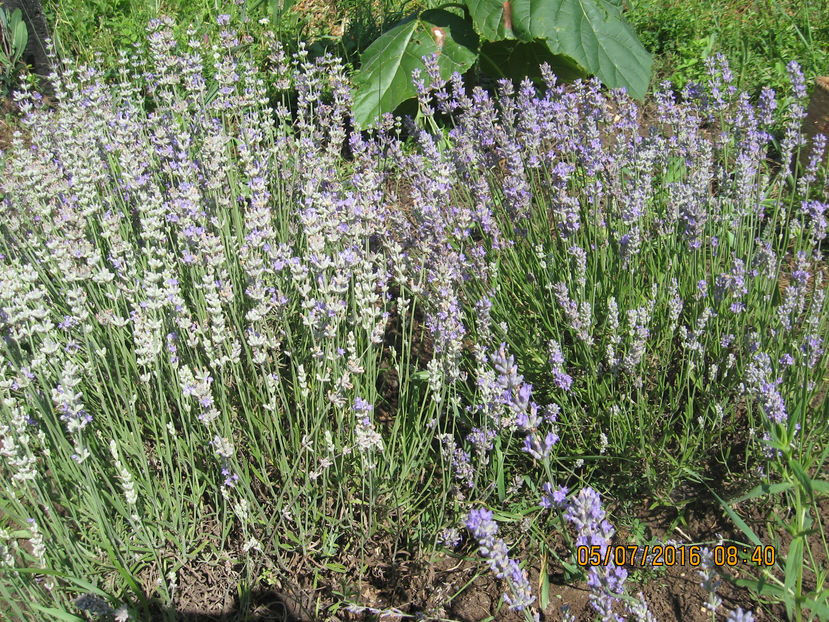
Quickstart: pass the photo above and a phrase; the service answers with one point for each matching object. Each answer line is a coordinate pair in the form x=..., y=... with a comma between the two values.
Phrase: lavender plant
x=235, y=327
x=697, y=299
x=193, y=320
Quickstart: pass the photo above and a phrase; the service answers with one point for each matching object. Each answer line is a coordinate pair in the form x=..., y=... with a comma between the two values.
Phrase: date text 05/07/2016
x=674, y=555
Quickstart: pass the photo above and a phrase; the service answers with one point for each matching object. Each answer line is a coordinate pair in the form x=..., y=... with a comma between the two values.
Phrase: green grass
x=757, y=36
x=84, y=29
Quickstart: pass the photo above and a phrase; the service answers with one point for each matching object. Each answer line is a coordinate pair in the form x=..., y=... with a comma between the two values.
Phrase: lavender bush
x=233, y=326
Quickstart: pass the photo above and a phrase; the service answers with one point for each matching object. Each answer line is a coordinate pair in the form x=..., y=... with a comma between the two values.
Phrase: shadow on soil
x=261, y=606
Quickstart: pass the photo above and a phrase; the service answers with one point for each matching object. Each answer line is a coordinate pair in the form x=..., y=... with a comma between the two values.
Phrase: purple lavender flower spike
x=553, y=498
x=763, y=386
x=560, y=378
x=586, y=514
x=494, y=549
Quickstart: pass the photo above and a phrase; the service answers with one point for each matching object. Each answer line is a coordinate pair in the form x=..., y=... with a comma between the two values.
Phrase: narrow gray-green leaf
x=761, y=490
x=385, y=78
x=593, y=33
x=747, y=531
x=802, y=477
x=794, y=566
x=57, y=614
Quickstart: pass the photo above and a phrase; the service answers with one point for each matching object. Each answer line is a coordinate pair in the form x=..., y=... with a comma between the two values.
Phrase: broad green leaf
x=385, y=79
x=593, y=33
x=420, y=376
x=489, y=20
x=761, y=587
x=544, y=591
x=821, y=609
x=21, y=37
x=821, y=486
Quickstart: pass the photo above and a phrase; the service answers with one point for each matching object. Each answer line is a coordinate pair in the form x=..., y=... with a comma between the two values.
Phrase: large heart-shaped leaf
x=591, y=32
x=385, y=77
x=492, y=18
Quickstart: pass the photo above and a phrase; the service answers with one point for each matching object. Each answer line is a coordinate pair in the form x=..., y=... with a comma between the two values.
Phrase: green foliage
x=13, y=39
x=784, y=582
x=385, y=79
x=517, y=59
x=576, y=37
x=691, y=60
x=86, y=29
x=492, y=19
x=83, y=29
x=759, y=37
x=635, y=440
x=591, y=32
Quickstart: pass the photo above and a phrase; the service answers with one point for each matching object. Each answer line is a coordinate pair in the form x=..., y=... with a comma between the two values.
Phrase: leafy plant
x=13, y=40
x=230, y=349
x=576, y=37
x=801, y=493
x=690, y=65
x=84, y=29
x=385, y=78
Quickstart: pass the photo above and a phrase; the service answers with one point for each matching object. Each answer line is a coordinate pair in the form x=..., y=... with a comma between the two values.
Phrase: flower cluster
x=459, y=461
x=763, y=386
x=127, y=482
x=69, y=404
x=710, y=580
x=560, y=377
x=585, y=513
x=485, y=530
x=523, y=412
x=367, y=437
